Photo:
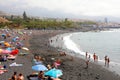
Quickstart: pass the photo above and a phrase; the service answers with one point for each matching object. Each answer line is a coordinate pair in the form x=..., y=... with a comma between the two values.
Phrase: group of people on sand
x=40, y=75
x=11, y=44
x=95, y=58
x=17, y=77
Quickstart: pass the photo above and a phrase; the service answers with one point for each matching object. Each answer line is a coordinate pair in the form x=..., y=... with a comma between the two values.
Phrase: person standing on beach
x=94, y=57
x=86, y=54
x=87, y=63
x=105, y=60
x=89, y=57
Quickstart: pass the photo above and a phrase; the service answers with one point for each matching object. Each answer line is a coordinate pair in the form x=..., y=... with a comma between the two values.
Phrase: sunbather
x=11, y=57
x=3, y=71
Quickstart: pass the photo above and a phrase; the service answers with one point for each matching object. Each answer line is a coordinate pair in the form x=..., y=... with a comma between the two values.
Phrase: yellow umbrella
x=7, y=44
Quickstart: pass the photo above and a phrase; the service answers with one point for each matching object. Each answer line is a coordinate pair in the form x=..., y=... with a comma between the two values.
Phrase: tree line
x=34, y=23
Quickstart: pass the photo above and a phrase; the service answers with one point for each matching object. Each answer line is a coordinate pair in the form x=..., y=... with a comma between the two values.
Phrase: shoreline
x=74, y=54
x=114, y=67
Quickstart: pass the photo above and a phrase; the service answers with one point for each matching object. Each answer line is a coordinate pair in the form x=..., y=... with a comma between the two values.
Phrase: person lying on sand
x=62, y=54
x=11, y=57
x=57, y=63
x=3, y=71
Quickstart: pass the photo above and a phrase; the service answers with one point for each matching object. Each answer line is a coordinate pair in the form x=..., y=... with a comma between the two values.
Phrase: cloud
x=75, y=7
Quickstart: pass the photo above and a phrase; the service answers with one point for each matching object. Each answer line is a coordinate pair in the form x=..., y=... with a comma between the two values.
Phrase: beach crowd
x=13, y=44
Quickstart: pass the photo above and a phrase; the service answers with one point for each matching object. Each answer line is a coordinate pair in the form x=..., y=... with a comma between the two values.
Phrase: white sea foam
x=111, y=30
x=71, y=45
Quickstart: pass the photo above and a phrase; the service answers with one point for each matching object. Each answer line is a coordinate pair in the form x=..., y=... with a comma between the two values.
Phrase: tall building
x=106, y=20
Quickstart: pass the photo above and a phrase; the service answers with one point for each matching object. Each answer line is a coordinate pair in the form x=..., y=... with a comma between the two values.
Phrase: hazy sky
x=63, y=7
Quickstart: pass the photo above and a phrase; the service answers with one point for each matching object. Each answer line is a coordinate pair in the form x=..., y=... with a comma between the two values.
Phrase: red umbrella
x=14, y=52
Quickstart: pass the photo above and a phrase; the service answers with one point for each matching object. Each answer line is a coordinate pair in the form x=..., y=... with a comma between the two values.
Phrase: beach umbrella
x=5, y=51
x=9, y=49
x=39, y=67
x=7, y=44
x=14, y=52
x=54, y=73
x=14, y=39
x=1, y=50
x=3, y=35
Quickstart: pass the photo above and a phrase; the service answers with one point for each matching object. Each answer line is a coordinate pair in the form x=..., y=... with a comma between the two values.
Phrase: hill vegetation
x=47, y=23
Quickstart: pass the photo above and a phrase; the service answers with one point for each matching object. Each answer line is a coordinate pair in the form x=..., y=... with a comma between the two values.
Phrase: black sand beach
x=73, y=68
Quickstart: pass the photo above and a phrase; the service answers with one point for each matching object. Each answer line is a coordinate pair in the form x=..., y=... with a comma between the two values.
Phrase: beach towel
x=24, y=48
x=11, y=57
x=15, y=64
x=2, y=71
x=1, y=67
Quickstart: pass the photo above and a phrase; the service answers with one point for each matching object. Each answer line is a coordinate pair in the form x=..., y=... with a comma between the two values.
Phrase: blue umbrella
x=39, y=67
x=3, y=35
x=9, y=49
x=14, y=39
x=54, y=73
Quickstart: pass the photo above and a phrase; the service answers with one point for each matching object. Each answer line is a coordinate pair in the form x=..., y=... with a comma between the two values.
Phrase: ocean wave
x=111, y=30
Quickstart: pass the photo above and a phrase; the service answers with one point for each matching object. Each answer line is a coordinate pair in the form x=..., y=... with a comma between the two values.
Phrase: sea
x=101, y=42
